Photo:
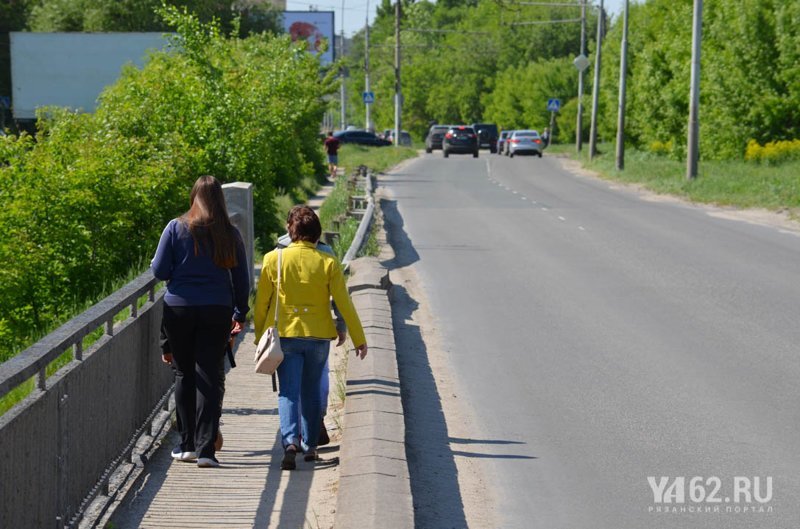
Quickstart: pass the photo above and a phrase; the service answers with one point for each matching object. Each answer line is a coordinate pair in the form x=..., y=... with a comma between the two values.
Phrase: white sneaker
x=183, y=456
x=207, y=462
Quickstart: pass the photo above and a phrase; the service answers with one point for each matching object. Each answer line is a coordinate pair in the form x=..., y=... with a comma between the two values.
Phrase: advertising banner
x=314, y=27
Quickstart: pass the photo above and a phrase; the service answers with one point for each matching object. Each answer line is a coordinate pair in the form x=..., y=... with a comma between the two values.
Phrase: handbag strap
x=278, y=290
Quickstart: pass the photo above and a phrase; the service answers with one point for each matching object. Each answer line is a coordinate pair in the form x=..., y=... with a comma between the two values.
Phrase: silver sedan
x=525, y=142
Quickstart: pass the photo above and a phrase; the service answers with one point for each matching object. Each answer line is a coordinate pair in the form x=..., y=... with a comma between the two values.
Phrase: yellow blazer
x=310, y=277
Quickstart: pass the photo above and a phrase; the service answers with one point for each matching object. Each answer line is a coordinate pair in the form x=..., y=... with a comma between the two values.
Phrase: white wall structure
x=71, y=69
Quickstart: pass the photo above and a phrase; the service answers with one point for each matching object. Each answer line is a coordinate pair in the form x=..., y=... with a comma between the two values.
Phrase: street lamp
x=342, y=74
x=366, y=72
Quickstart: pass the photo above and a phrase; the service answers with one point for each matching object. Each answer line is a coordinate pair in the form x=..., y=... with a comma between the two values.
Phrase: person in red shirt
x=332, y=148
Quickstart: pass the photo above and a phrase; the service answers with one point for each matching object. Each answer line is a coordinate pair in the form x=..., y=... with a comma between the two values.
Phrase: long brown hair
x=208, y=222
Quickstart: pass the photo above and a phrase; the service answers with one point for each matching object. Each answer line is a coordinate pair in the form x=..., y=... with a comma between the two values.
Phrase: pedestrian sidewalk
x=248, y=489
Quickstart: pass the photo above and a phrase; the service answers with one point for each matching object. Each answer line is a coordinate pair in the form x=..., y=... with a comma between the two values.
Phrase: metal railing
x=62, y=437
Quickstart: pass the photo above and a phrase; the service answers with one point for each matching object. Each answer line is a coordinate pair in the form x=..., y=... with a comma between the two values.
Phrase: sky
x=355, y=11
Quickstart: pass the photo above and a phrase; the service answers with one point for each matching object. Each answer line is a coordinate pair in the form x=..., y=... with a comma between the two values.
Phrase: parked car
x=360, y=137
x=525, y=141
x=502, y=140
x=435, y=136
x=405, y=137
x=460, y=139
x=487, y=135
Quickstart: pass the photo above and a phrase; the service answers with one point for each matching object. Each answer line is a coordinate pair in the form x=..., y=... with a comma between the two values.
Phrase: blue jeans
x=299, y=375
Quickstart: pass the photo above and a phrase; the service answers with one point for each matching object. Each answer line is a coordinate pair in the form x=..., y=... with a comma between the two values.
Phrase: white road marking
x=561, y=218
x=581, y=228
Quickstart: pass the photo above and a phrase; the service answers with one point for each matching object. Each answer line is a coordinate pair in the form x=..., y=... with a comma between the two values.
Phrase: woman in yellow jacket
x=309, y=278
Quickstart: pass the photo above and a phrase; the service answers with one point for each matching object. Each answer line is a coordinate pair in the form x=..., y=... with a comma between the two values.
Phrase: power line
x=539, y=22
x=420, y=30
x=547, y=4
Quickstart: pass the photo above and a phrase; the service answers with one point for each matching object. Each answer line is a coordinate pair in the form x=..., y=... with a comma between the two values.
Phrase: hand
x=166, y=358
x=342, y=336
x=236, y=327
x=361, y=351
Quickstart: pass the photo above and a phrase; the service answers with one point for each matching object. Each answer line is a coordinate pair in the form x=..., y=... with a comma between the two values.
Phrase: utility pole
x=342, y=75
x=398, y=94
x=694, y=92
x=596, y=87
x=578, y=133
x=368, y=119
x=623, y=68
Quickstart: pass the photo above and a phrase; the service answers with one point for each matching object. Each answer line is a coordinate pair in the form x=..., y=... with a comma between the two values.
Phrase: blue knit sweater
x=195, y=279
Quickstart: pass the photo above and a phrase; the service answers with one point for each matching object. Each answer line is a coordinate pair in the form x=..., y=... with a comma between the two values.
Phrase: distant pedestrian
x=546, y=137
x=202, y=257
x=332, y=149
x=309, y=278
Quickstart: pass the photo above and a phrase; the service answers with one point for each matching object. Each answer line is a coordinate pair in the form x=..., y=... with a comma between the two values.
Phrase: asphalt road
x=601, y=338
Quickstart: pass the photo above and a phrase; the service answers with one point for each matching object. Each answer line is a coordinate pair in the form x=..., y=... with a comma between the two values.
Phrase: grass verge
x=725, y=183
x=376, y=158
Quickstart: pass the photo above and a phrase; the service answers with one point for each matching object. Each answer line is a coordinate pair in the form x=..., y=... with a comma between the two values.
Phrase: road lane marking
x=581, y=228
x=561, y=218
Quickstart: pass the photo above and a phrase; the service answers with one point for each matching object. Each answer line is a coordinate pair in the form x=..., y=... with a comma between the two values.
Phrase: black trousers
x=197, y=336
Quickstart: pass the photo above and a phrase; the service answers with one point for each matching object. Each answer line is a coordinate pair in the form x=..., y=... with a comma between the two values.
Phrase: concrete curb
x=374, y=484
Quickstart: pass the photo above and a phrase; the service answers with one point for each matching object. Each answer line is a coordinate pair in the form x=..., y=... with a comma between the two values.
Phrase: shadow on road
x=432, y=469
x=404, y=252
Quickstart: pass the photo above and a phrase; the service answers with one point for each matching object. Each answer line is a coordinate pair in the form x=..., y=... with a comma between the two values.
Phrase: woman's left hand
x=236, y=327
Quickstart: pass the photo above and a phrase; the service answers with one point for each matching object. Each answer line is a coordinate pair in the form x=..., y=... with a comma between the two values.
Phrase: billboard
x=71, y=69
x=315, y=27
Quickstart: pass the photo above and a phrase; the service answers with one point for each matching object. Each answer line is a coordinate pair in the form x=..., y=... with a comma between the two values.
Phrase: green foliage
x=750, y=75
x=90, y=196
x=238, y=18
x=475, y=61
x=459, y=61
x=520, y=96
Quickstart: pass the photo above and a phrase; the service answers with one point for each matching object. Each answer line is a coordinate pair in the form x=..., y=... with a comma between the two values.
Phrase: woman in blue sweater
x=202, y=257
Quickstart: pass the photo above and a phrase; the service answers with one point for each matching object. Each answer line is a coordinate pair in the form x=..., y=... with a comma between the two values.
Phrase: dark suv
x=487, y=134
x=460, y=139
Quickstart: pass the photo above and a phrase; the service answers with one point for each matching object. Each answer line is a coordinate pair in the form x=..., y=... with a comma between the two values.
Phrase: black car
x=460, y=139
x=487, y=135
x=435, y=136
x=361, y=137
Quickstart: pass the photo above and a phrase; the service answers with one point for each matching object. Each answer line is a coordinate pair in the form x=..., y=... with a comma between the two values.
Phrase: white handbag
x=269, y=354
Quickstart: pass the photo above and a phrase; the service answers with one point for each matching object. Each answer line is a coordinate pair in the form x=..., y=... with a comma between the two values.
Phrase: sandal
x=289, y=456
x=311, y=455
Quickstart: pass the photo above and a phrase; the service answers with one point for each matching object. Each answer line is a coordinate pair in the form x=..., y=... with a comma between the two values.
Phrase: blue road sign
x=553, y=105
x=5, y=102
x=369, y=97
